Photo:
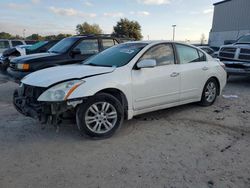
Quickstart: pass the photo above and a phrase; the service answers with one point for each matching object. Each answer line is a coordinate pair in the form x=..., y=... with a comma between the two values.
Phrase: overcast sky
x=156, y=17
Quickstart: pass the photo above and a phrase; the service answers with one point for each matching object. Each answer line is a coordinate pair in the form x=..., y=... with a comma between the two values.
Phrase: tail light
x=221, y=64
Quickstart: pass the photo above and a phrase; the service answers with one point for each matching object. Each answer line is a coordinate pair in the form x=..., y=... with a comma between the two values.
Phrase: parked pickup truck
x=236, y=56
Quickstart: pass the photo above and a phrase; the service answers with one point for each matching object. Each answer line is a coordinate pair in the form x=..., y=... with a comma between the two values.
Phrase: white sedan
x=121, y=82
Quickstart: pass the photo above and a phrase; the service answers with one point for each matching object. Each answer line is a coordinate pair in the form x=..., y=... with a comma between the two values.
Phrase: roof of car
x=93, y=36
x=149, y=41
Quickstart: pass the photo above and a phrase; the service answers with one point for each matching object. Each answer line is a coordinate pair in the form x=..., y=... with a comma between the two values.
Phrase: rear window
x=187, y=54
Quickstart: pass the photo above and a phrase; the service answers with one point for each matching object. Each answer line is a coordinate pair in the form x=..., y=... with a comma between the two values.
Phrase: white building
x=231, y=20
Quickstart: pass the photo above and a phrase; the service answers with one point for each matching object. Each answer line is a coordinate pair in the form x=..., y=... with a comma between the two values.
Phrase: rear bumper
x=17, y=75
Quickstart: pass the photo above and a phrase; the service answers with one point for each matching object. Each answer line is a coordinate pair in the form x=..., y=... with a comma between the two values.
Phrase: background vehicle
x=209, y=51
x=5, y=44
x=39, y=47
x=236, y=56
x=121, y=82
x=70, y=50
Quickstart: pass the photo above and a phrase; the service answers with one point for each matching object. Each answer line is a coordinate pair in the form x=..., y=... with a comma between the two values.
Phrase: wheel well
x=119, y=95
x=218, y=83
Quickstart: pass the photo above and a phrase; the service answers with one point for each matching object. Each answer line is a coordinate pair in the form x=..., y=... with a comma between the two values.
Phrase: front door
x=159, y=85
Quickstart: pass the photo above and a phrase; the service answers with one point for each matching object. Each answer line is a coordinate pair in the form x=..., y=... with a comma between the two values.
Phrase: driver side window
x=88, y=46
x=163, y=54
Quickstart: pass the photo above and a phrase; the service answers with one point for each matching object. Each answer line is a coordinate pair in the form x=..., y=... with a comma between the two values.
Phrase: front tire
x=100, y=116
x=209, y=93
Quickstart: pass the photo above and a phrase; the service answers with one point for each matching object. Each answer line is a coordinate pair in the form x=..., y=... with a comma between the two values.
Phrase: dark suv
x=70, y=50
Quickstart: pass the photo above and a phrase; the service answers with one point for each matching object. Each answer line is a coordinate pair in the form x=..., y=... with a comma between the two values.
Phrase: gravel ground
x=186, y=146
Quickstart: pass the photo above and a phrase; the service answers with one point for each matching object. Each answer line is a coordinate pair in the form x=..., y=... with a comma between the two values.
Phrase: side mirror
x=76, y=51
x=146, y=63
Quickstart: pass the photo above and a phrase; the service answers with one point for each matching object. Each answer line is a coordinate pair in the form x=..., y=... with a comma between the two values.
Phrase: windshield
x=244, y=39
x=116, y=56
x=63, y=45
x=36, y=45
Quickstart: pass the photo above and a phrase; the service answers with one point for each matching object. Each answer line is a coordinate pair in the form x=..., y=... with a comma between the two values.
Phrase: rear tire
x=210, y=92
x=100, y=116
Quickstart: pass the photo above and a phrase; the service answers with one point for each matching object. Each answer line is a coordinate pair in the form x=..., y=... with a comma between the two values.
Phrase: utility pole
x=173, y=31
x=24, y=33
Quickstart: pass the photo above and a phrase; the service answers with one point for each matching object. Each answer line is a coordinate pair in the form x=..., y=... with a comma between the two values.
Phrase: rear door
x=193, y=70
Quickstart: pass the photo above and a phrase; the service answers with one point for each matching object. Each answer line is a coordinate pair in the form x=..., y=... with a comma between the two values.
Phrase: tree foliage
x=127, y=28
x=4, y=35
x=86, y=29
x=57, y=37
x=34, y=37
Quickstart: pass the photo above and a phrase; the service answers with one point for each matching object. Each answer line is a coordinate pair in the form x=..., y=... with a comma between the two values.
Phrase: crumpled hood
x=50, y=76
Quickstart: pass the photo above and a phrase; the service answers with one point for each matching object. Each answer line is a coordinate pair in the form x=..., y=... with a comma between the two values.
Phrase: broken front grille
x=244, y=54
x=32, y=93
x=227, y=53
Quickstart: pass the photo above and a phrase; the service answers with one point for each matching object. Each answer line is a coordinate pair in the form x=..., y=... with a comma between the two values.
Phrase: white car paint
x=49, y=76
x=146, y=89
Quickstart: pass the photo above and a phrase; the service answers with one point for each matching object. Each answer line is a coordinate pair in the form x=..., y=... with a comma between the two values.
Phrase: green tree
x=4, y=35
x=86, y=29
x=35, y=37
x=127, y=28
x=61, y=36
x=50, y=37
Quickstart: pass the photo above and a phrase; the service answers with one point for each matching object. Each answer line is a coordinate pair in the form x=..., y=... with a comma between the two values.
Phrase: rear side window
x=16, y=43
x=202, y=56
x=107, y=43
x=30, y=41
x=163, y=54
x=4, y=44
x=187, y=54
x=209, y=51
x=88, y=46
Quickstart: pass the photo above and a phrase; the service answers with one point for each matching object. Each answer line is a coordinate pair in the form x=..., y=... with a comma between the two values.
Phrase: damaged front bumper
x=25, y=102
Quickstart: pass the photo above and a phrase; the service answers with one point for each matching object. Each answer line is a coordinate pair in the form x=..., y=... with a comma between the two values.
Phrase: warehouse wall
x=231, y=20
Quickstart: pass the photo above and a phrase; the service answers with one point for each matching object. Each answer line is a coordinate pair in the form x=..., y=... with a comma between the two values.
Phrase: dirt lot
x=187, y=146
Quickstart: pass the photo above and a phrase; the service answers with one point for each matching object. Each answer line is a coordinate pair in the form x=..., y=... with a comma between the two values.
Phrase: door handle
x=174, y=74
x=205, y=68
